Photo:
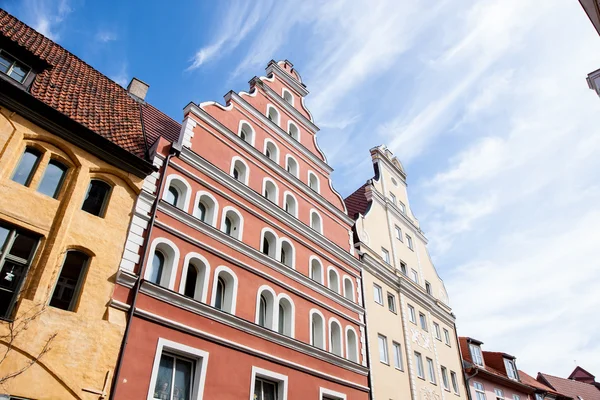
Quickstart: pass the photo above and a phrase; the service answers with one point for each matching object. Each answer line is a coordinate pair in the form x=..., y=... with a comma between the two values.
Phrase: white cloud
x=121, y=76
x=104, y=36
x=46, y=16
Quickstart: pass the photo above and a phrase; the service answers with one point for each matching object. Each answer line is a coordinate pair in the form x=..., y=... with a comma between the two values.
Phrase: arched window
x=348, y=288
x=285, y=318
x=271, y=150
x=335, y=337
x=239, y=170
x=161, y=267
x=265, y=307
x=27, y=166
x=317, y=329
x=232, y=223
x=246, y=132
x=206, y=208
x=313, y=182
x=268, y=243
x=68, y=286
x=287, y=96
x=290, y=204
x=194, y=278
x=293, y=131
x=177, y=192
x=287, y=253
x=291, y=165
x=333, y=280
x=52, y=179
x=224, y=290
x=273, y=114
x=351, y=344
x=315, y=221
x=316, y=270
x=270, y=190
x=96, y=198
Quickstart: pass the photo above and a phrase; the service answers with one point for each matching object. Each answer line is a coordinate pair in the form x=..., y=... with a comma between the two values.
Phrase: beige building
x=410, y=326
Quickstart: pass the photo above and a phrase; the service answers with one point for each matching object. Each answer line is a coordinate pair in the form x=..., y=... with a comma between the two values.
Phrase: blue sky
x=484, y=101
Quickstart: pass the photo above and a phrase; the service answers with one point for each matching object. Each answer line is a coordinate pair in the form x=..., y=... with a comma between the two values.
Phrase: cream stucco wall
x=88, y=338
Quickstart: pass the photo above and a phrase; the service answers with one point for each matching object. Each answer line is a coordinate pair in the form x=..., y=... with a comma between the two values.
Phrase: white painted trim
x=199, y=195
x=337, y=289
x=287, y=157
x=280, y=246
x=199, y=356
x=186, y=261
x=309, y=173
x=312, y=312
x=280, y=379
x=262, y=239
x=278, y=122
x=240, y=234
x=353, y=292
x=283, y=91
x=276, y=155
x=239, y=132
x=264, y=184
x=290, y=123
x=218, y=270
x=267, y=288
x=285, y=195
x=171, y=261
x=232, y=166
x=348, y=329
x=329, y=392
x=332, y=321
x=281, y=296
x=184, y=198
x=315, y=212
x=310, y=260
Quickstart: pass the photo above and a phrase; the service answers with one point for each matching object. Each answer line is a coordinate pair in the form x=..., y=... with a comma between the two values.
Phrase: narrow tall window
x=419, y=362
x=316, y=271
x=174, y=378
x=313, y=182
x=385, y=255
x=479, y=391
x=445, y=378
x=511, y=370
x=402, y=207
x=403, y=267
x=201, y=212
x=431, y=370
x=391, y=299
x=383, y=350
x=447, y=336
x=393, y=198
x=68, y=286
x=52, y=179
x=398, y=233
x=228, y=225
x=335, y=333
x=27, y=166
x=423, y=321
x=262, y=311
x=293, y=131
x=476, y=354
x=158, y=264
x=411, y=314
x=454, y=380
x=190, y=281
x=172, y=196
x=265, y=390
x=287, y=254
x=351, y=345
x=428, y=287
x=220, y=295
x=409, y=242
x=273, y=114
x=436, y=330
x=414, y=276
x=13, y=68
x=317, y=331
x=287, y=96
x=96, y=198
x=398, y=356
x=377, y=294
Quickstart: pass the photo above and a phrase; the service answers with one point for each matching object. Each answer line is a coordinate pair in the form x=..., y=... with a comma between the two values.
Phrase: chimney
x=137, y=89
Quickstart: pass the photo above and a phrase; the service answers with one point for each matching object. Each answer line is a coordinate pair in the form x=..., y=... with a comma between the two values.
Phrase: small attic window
x=13, y=68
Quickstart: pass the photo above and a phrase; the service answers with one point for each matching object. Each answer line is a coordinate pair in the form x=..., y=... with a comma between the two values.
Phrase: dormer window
x=511, y=369
x=13, y=68
x=476, y=354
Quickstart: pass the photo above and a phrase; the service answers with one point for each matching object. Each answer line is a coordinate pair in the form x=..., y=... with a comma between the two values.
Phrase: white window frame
x=330, y=393
x=383, y=358
x=513, y=369
x=385, y=254
x=445, y=378
x=240, y=126
x=280, y=379
x=289, y=126
x=409, y=242
x=479, y=391
x=476, y=354
x=309, y=173
x=393, y=198
x=387, y=297
x=412, y=315
x=431, y=370
x=437, y=331
x=454, y=381
x=423, y=321
x=499, y=394
x=183, y=189
x=398, y=232
x=278, y=122
x=415, y=275
x=199, y=357
x=446, y=336
x=420, y=366
x=283, y=91
x=398, y=361
x=275, y=156
x=516, y=397
x=377, y=290
x=402, y=207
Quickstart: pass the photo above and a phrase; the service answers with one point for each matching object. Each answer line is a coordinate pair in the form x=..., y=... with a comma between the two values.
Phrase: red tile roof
x=530, y=380
x=357, y=202
x=570, y=387
x=83, y=94
x=157, y=124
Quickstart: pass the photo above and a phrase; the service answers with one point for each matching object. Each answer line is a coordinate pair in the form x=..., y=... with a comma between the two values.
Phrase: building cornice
x=274, y=68
x=196, y=307
x=259, y=257
x=267, y=206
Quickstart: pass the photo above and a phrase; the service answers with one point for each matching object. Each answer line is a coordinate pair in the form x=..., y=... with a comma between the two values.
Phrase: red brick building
x=250, y=288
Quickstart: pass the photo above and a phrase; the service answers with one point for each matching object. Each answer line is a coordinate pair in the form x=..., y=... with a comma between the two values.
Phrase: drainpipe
x=465, y=376
x=138, y=282
x=368, y=350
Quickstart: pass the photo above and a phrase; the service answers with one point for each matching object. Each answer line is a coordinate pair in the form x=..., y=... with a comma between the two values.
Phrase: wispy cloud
x=104, y=36
x=46, y=17
x=121, y=76
x=240, y=19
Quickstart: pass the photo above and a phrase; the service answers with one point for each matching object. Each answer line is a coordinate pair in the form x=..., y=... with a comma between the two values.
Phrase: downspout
x=465, y=376
x=138, y=283
x=368, y=349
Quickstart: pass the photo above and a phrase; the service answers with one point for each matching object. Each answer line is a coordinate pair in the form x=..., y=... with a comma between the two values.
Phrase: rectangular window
x=409, y=242
x=398, y=233
x=447, y=336
x=436, y=330
x=328, y=394
x=263, y=389
x=511, y=370
x=414, y=275
x=385, y=255
x=383, y=351
x=454, y=380
x=499, y=394
x=13, y=68
x=403, y=267
x=17, y=248
x=431, y=370
x=393, y=198
x=398, y=363
x=479, y=391
x=428, y=288
x=267, y=385
x=411, y=314
x=402, y=207
x=445, y=378
x=419, y=362
x=476, y=354
x=377, y=294
x=516, y=397
x=71, y=277
x=423, y=321
x=391, y=299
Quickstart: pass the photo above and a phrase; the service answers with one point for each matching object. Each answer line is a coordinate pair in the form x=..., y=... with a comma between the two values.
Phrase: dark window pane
x=183, y=379
x=158, y=263
x=3, y=236
x=68, y=281
x=5, y=63
x=190, y=281
x=22, y=246
x=220, y=294
x=96, y=197
x=269, y=390
x=19, y=72
x=172, y=196
x=164, y=378
x=228, y=225
x=10, y=282
x=53, y=179
x=26, y=167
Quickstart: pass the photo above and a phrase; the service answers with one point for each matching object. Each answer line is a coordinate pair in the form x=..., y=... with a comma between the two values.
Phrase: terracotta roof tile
x=157, y=124
x=530, y=380
x=571, y=388
x=357, y=202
